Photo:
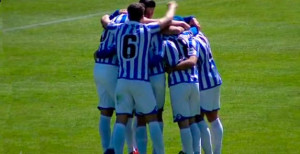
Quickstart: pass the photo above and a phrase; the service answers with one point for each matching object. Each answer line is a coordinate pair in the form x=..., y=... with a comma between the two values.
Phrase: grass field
x=48, y=98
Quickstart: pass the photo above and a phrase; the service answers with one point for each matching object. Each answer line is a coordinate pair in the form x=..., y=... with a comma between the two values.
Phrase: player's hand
x=122, y=11
x=185, y=25
x=194, y=22
x=172, y=4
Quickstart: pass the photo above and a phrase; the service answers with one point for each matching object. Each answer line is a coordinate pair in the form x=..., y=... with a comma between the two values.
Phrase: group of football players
x=135, y=53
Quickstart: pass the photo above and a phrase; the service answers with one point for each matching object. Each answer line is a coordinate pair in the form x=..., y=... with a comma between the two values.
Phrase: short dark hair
x=148, y=3
x=135, y=11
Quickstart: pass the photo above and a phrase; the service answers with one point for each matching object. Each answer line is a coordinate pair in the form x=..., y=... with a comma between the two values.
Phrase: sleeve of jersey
x=112, y=26
x=171, y=56
x=192, y=48
x=153, y=27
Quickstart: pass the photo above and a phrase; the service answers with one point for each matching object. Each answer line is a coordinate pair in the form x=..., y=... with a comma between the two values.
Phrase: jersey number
x=129, y=46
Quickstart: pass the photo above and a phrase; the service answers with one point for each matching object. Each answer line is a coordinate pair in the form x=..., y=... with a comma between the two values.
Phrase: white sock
x=105, y=131
x=129, y=136
x=141, y=139
x=161, y=125
x=186, y=140
x=119, y=138
x=205, y=137
x=156, y=137
x=217, y=135
x=196, y=137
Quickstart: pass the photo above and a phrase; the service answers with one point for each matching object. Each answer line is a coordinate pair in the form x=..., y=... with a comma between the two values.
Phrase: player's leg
x=141, y=134
x=105, y=77
x=211, y=107
x=195, y=135
x=146, y=105
x=195, y=110
x=216, y=130
x=186, y=136
x=129, y=134
x=155, y=133
x=106, y=107
x=205, y=134
x=119, y=133
x=158, y=85
x=124, y=108
x=181, y=113
x=104, y=128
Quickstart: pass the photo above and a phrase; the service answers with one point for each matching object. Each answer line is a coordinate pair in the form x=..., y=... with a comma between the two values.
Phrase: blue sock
x=186, y=140
x=156, y=137
x=161, y=125
x=105, y=131
x=119, y=138
x=196, y=137
x=205, y=137
x=141, y=139
x=128, y=135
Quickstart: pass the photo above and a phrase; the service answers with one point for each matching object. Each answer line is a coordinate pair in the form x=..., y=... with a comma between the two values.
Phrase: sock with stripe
x=186, y=140
x=196, y=137
x=205, y=137
x=217, y=135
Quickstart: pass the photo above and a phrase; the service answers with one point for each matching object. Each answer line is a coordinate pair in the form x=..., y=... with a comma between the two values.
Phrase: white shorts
x=185, y=101
x=158, y=83
x=106, y=78
x=134, y=94
x=210, y=99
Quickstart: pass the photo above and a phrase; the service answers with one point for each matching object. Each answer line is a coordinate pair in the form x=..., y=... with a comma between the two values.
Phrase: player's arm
x=105, y=21
x=183, y=65
x=180, y=24
x=173, y=30
x=186, y=64
x=167, y=19
x=194, y=22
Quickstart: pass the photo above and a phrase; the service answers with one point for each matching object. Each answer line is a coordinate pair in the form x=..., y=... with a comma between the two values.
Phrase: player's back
x=176, y=50
x=106, y=53
x=156, y=55
x=209, y=76
x=133, y=40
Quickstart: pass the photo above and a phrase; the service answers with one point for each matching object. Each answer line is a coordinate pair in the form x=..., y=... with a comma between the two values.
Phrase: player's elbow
x=105, y=20
x=193, y=61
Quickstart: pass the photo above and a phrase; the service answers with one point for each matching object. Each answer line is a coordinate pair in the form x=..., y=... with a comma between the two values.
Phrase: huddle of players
x=130, y=65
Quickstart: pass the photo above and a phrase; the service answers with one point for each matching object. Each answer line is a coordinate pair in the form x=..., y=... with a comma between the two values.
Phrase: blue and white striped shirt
x=209, y=76
x=107, y=43
x=174, y=53
x=156, y=50
x=133, y=42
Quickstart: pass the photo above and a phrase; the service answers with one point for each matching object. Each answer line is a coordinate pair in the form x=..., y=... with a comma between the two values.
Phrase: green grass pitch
x=48, y=98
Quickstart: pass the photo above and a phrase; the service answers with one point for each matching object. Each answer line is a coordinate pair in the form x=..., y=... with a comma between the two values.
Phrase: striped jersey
x=133, y=42
x=174, y=53
x=156, y=49
x=209, y=76
x=107, y=43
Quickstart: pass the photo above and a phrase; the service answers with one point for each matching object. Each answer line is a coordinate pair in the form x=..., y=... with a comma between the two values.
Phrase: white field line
x=52, y=22
x=60, y=20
